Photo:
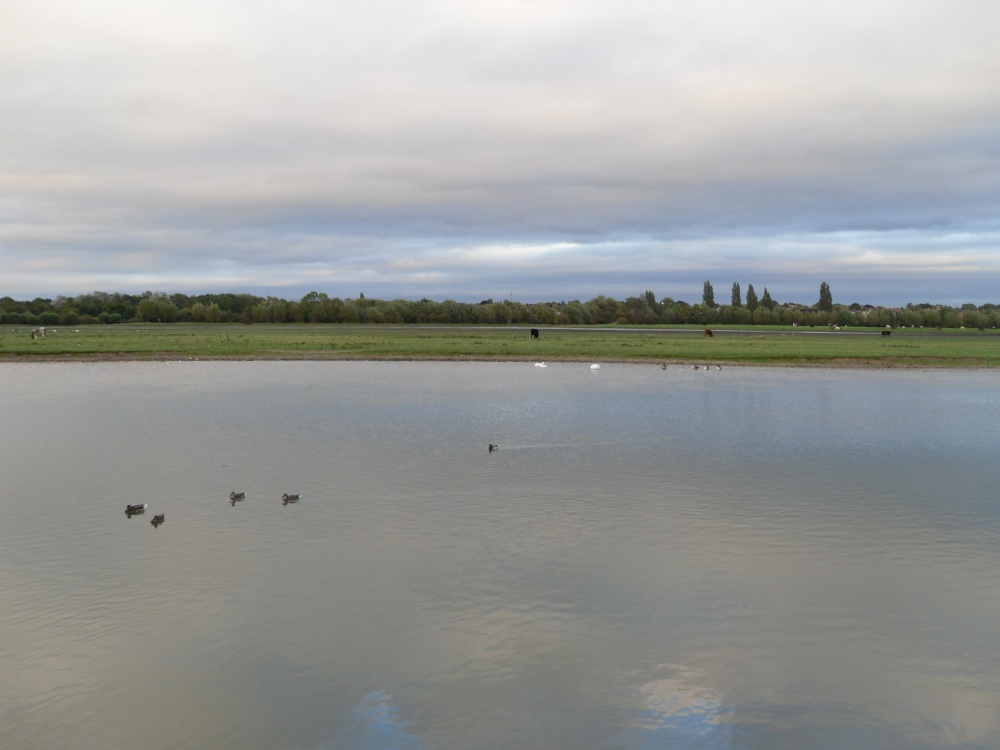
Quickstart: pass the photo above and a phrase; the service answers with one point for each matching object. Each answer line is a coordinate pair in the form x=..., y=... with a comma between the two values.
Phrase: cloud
x=308, y=142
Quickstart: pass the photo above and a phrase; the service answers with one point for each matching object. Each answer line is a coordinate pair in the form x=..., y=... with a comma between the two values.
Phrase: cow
x=534, y=333
x=886, y=333
x=708, y=332
x=38, y=333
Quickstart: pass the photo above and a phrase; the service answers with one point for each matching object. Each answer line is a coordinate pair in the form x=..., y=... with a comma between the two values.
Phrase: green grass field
x=771, y=345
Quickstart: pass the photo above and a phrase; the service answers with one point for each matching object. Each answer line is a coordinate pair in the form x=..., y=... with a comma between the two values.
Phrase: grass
x=771, y=345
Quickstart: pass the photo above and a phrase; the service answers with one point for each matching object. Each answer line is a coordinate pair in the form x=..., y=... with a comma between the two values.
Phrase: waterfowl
x=234, y=496
x=131, y=510
x=494, y=447
x=158, y=519
x=540, y=364
x=286, y=498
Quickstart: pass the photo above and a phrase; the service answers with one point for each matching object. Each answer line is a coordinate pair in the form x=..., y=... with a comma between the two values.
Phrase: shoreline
x=845, y=363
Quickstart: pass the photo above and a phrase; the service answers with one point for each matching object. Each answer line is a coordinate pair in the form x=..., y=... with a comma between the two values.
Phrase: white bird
x=540, y=364
x=595, y=367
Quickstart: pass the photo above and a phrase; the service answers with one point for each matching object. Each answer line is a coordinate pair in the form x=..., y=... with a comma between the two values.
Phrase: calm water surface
x=747, y=558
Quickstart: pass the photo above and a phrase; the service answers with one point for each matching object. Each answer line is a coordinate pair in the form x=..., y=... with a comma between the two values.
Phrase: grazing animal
x=38, y=333
x=286, y=499
x=708, y=332
x=158, y=519
x=131, y=510
x=534, y=333
x=886, y=333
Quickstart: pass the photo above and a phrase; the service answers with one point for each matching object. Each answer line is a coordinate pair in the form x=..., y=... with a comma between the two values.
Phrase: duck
x=131, y=510
x=494, y=447
x=286, y=498
x=158, y=519
x=234, y=496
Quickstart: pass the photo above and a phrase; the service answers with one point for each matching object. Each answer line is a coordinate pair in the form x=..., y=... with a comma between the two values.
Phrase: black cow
x=886, y=333
x=534, y=333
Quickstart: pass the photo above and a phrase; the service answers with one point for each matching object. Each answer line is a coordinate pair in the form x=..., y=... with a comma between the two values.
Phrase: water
x=746, y=558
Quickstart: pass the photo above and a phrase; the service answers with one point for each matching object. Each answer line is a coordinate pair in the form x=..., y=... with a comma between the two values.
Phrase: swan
x=595, y=367
x=540, y=364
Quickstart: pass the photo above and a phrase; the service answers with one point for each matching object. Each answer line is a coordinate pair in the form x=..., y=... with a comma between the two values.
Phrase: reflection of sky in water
x=376, y=724
x=676, y=712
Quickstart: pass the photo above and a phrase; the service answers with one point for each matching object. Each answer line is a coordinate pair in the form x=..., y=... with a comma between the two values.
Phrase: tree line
x=317, y=307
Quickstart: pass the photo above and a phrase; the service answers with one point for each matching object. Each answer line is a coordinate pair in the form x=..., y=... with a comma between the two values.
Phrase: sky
x=535, y=150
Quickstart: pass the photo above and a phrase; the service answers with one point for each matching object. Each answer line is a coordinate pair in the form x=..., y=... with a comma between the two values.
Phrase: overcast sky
x=533, y=149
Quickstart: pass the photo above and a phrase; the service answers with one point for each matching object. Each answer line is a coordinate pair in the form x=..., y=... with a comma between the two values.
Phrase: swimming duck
x=131, y=510
x=234, y=496
x=494, y=447
x=286, y=499
x=158, y=519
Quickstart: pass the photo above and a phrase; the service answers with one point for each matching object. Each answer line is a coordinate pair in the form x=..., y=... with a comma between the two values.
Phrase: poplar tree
x=766, y=300
x=751, y=298
x=825, y=298
x=708, y=296
x=737, y=298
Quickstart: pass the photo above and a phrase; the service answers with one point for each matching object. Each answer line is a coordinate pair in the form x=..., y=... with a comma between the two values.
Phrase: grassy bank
x=772, y=346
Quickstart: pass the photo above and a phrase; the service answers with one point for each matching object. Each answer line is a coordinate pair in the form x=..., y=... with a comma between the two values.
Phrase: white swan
x=595, y=367
x=540, y=364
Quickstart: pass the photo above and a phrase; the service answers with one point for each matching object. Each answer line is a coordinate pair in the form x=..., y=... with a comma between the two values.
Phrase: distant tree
x=737, y=299
x=708, y=295
x=651, y=300
x=825, y=298
x=751, y=298
x=766, y=300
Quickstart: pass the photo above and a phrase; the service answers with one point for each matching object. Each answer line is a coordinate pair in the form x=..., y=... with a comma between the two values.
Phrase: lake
x=750, y=558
